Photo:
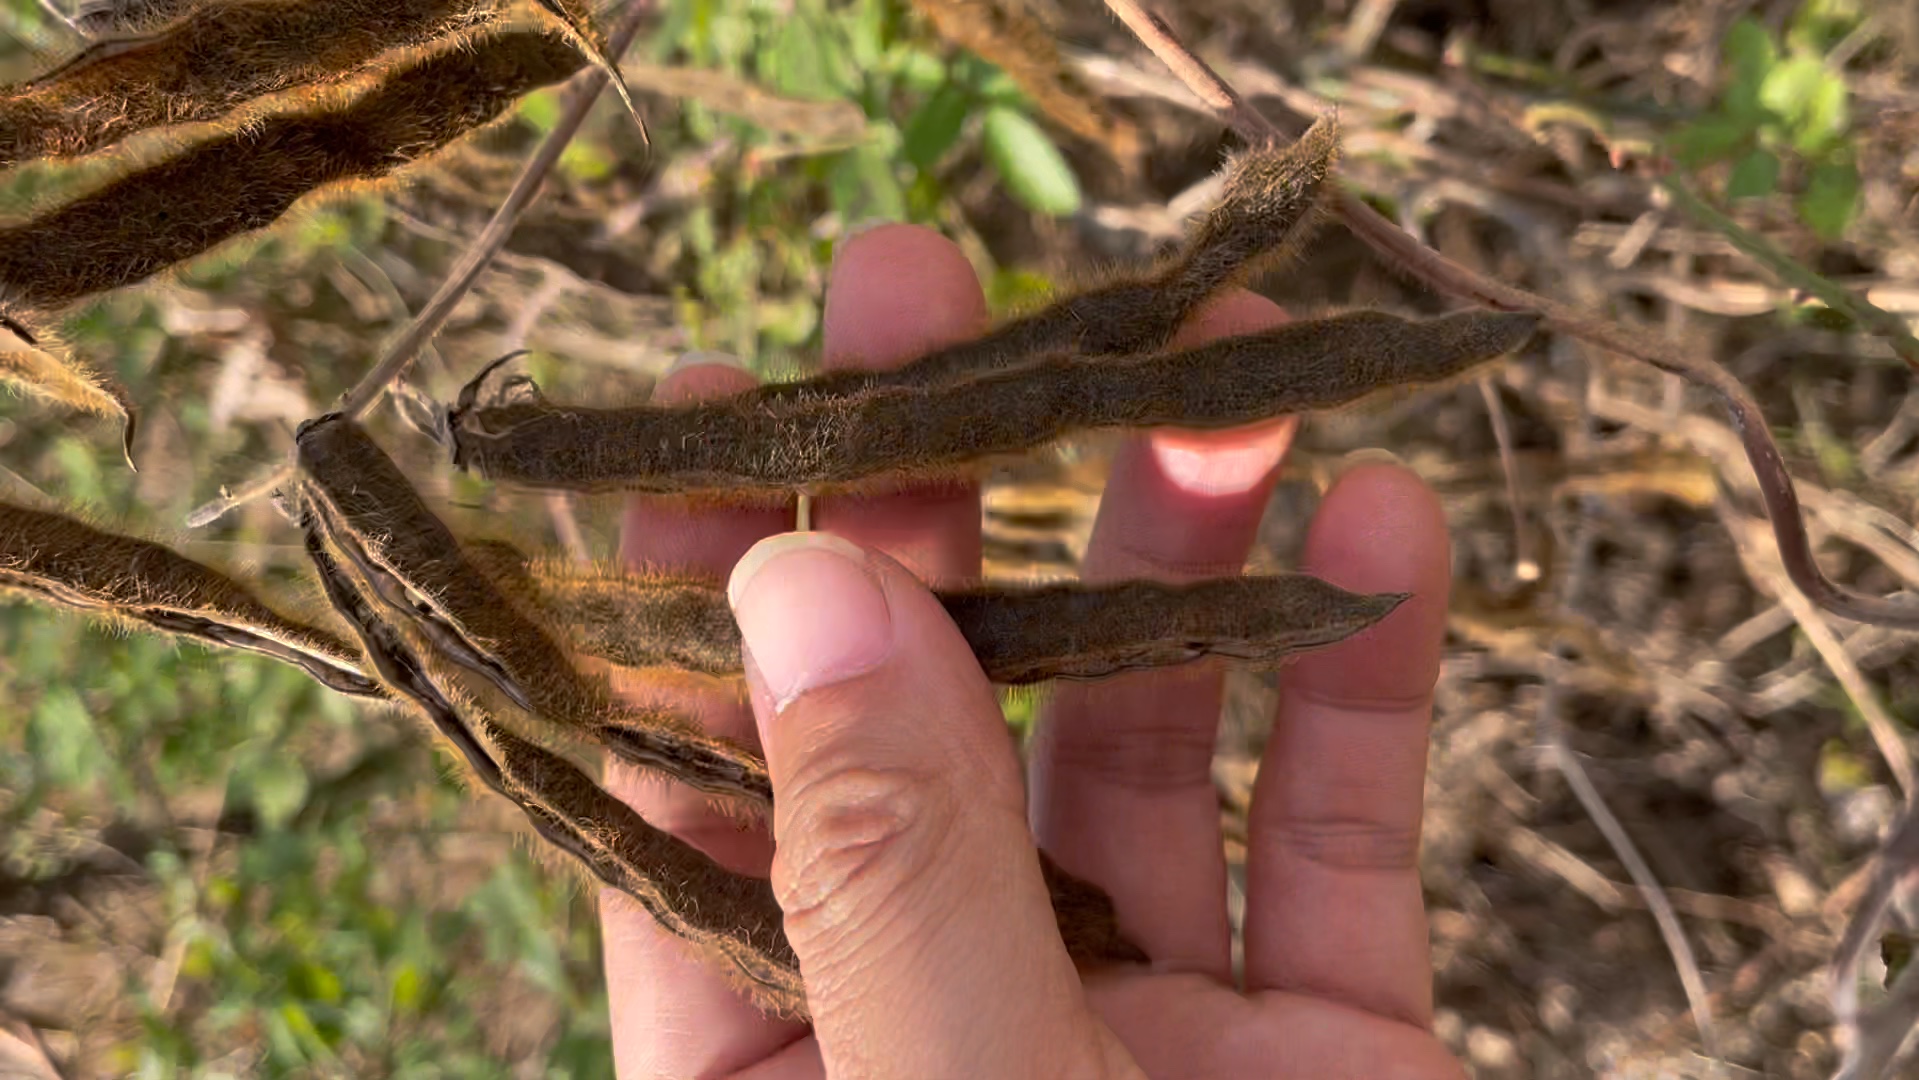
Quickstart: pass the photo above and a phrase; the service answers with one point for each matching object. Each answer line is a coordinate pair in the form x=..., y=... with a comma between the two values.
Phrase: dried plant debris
x=213, y=59
x=58, y=559
x=1020, y=635
x=1005, y=33
x=158, y=216
x=799, y=438
x=416, y=567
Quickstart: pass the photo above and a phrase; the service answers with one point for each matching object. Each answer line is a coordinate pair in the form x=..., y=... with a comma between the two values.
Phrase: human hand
x=906, y=862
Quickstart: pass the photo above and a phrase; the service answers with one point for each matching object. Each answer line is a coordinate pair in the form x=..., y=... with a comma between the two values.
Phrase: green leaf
x=62, y=740
x=1818, y=25
x=315, y=982
x=278, y=786
x=935, y=126
x=807, y=60
x=541, y=109
x=917, y=70
x=866, y=34
x=1710, y=139
x=1757, y=174
x=1011, y=291
x=1827, y=114
x=405, y=992
x=1789, y=89
x=1840, y=770
x=585, y=161
x=1750, y=56
x=997, y=87
x=864, y=188
x=1035, y=172
x=1831, y=199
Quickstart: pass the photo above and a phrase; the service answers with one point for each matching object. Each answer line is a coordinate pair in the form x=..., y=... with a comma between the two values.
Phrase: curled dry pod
x=161, y=215
x=416, y=567
x=810, y=439
x=57, y=559
x=46, y=369
x=1020, y=634
x=215, y=58
x=730, y=917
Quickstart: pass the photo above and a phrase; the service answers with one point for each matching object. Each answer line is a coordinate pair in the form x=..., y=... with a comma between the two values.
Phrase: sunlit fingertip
x=704, y=358
x=1222, y=463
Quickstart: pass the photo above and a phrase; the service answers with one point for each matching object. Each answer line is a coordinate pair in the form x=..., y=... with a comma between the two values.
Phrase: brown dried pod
x=156, y=217
x=211, y=60
x=34, y=364
x=1268, y=210
x=730, y=916
x=58, y=559
x=396, y=543
x=806, y=438
x=1020, y=634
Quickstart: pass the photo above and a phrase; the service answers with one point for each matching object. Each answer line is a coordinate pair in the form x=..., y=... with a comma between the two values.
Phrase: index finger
x=673, y=1013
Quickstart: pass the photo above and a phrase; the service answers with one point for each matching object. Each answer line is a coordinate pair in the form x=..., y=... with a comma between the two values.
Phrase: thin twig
x=1552, y=737
x=1368, y=21
x=1885, y=730
x=1651, y=892
x=1419, y=261
x=1762, y=251
x=581, y=94
x=1525, y=565
x=1872, y=1040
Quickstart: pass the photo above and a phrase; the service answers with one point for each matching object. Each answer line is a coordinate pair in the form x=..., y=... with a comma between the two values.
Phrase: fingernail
x=810, y=615
x=703, y=358
x=1213, y=463
x=1371, y=455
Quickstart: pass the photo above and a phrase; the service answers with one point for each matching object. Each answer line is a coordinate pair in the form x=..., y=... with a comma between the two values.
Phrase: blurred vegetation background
x=210, y=867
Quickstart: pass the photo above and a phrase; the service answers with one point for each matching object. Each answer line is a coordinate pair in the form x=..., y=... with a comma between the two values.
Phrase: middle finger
x=1125, y=766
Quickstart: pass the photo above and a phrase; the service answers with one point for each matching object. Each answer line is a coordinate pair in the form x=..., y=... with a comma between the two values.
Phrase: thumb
x=909, y=878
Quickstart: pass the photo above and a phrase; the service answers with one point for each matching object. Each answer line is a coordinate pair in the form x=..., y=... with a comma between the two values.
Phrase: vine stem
x=582, y=92
x=581, y=95
x=1435, y=270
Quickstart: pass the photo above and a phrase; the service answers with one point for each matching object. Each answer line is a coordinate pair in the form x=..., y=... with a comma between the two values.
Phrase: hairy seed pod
x=731, y=917
x=800, y=438
x=1269, y=209
x=212, y=60
x=45, y=369
x=1020, y=634
x=54, y=558
x=158, y=216
x=400, y=546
